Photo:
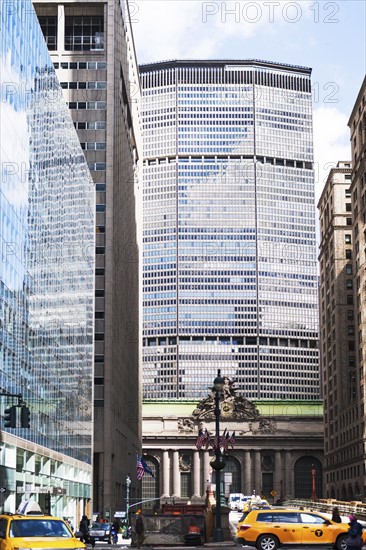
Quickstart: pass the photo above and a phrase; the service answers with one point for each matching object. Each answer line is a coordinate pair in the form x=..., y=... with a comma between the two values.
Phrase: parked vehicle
x=40, y=531
x=269, y=529
x=255, y=503
x=237, y=500
x=101, y=532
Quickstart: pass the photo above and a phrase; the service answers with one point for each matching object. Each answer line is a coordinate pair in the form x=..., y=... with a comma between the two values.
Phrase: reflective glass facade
x=229, y=253
x=47, y=245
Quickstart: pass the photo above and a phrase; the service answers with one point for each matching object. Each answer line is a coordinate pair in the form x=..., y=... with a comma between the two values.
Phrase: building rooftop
x=169, y=64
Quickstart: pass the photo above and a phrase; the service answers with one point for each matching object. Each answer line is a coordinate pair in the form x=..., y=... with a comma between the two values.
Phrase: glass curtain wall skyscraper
x=92, y=49
x=229, y=245
x=47, y=212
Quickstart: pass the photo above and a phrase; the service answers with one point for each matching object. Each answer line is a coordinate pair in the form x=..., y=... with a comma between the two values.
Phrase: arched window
x=304, y=477
x=150, y=485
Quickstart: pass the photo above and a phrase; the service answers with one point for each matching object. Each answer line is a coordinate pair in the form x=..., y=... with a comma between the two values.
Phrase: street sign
x=119, y=514
x=2, y=489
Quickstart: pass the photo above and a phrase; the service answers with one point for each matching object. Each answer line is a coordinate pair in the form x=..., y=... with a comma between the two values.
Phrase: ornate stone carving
x=232, y=406
x=185, y=425
x=185, y=463
x=267, y=426
x=268, y=462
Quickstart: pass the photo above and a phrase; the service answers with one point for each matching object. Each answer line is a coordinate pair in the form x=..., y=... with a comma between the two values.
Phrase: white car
x=237, y=500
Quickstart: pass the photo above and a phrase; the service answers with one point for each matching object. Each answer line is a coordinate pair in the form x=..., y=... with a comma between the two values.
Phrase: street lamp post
x=128, y=483
x=219, y=462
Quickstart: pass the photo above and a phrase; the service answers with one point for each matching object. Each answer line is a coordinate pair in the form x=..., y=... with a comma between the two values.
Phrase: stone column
x=176, y=475
x=288, y=489
x=196, y=474
x=277, y=474
x=247, y=466
x=206, y=471
x=166, y=474
x=61, y=28
x=258, y=472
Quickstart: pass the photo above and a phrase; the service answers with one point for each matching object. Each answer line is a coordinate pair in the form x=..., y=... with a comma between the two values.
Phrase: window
x=311, y=518
x=347, y=239
x=185, y=484
x=286, y=517
x=83, y=33
x=349, y=254
x=349, y=269
x=49, y=29
x=349, y=283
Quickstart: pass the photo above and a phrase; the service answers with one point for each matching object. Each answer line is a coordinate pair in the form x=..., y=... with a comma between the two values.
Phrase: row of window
x=95, y=125
x=92, y=85
x=94, y=146
x=91, y=65
x=87, y=105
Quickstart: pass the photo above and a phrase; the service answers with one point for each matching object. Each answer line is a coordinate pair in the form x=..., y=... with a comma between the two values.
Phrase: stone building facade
x=277, y=445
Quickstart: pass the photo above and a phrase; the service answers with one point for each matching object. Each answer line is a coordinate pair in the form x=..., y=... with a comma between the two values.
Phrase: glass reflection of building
x=46, y=270
x=229, y=272
x=91, y=45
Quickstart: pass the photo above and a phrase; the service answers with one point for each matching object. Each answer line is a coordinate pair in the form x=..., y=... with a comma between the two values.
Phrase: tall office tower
x=338, y=332
x=47, y=238
x=229, y=272
x=352, y=420
x=92, y=48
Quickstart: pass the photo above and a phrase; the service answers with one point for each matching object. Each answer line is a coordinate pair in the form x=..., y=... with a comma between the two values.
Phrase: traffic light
x=24, y=417
x=10, y=416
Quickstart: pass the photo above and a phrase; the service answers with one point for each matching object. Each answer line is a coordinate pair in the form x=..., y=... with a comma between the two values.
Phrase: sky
x=327, y=36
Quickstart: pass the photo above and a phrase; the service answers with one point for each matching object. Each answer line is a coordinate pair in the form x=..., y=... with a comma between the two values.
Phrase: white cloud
x=184, y=29
x=331, y=143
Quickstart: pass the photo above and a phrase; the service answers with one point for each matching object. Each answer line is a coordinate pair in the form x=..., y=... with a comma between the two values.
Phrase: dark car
x=101, y=531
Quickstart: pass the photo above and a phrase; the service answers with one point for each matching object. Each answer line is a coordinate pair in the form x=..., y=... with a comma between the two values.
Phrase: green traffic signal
x=24, y=417
x=10, y=417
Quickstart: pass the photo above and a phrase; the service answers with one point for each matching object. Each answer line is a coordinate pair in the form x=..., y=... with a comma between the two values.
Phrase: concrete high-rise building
x=230, y=267
x=352, y=421
x=342, y=315
x=92, y=48
x=337, y=325
x=47, y=236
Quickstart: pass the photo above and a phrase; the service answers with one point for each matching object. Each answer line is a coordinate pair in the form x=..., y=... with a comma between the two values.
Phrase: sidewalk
x=215, y=545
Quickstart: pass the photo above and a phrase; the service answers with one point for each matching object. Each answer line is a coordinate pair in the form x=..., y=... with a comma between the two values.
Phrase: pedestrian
x=335, y=515
x=354, y=538
x=355, y=524
x=84, y=530
x=140, y=529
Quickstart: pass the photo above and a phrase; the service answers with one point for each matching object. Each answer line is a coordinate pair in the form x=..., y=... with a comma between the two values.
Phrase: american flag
x=226, y=442
x=140, y=468
x=231, y=440
x=223, y=439
x=201, y=438
x=147, y=468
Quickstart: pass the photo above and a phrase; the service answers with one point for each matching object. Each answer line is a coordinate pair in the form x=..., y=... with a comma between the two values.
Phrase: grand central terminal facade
x=276, y=451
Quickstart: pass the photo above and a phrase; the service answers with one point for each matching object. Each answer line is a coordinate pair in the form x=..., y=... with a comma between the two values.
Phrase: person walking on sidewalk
x=140, y=529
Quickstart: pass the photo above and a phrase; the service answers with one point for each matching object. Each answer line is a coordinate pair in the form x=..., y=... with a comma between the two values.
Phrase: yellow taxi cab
x=269, y=529
x=39, y=531
x=255, y=503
